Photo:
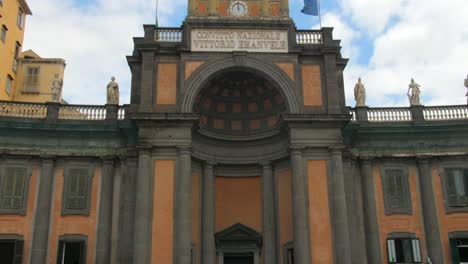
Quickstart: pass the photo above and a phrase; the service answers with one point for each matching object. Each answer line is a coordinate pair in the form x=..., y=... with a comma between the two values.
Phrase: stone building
x=237, y=147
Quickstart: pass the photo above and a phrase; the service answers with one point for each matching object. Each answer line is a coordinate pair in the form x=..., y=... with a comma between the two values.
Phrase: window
x=456, y=181
x=77, y=190
x=403, y=250
x=459, y=250
x=11, y=249
x=31, y=82
x=288, y=253
x=396, y=190
x=72, y=250
x=9, y=83
x=13, y=189
x=3, y=33
x=15, y=59
x=20, y=19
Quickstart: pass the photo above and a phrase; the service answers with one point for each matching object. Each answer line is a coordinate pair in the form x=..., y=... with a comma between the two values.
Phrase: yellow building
x=12, y=21
x=35, y=76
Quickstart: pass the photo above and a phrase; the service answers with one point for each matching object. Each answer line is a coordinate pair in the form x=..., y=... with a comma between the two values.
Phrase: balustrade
x=82, y=112
x=168, y=35
x=27, y=110
x=452, y=112
x=309, y=37
x=396, y=114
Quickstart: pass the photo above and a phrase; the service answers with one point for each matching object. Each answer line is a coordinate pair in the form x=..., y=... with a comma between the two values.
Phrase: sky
x=388, y=42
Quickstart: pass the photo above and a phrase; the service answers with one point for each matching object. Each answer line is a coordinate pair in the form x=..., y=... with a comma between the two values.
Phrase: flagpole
x=157, y=25
x=320, y=15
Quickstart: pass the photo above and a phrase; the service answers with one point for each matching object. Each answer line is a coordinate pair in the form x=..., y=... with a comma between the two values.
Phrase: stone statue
x=466, y=85
x=360, y=93
x=414, y=97
x=57, y=85
x=113, y=92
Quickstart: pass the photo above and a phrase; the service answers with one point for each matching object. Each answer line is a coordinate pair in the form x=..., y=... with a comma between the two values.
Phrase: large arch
x=267, y=70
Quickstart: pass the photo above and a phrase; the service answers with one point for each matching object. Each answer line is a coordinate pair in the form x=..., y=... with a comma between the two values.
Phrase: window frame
x=449, y=209
x=90, y=167
x=407, y=209
x=9, y=84
x=24, y=203
x=28, y=76
x=18, y=240
x=3, y=33
x=404, y=236
x=73, y=238
x=286, y=248
x=20, y=19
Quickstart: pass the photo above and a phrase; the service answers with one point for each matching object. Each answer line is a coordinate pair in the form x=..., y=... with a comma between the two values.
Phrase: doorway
x=71, y=252
x=239, y=259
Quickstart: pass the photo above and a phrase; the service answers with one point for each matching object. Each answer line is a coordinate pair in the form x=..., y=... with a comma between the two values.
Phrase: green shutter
x=12, y=191
x=1, y=187
x=19, y=246
x=416, y=250
x=465, y=181
x=391, y=251
x=77, y=184
x=394, y=187
x=454, y=251
x=452, y=196
x=60, y=252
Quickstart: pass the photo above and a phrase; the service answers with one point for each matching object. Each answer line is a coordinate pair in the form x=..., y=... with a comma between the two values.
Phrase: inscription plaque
x=250, y=40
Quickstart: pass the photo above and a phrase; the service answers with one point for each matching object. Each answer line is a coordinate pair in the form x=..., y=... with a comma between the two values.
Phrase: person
x=113, y=92
x=57, y=85
x=414, y=97
x=360, y=93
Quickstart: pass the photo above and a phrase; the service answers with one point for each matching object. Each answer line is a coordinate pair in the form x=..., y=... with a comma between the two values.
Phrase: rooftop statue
x=414, y=97
x=113, y=92
x=360, y=93
x=56, y=88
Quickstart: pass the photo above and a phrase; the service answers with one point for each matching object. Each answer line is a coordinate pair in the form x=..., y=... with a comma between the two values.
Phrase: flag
x=157, y=22
x=311, y=7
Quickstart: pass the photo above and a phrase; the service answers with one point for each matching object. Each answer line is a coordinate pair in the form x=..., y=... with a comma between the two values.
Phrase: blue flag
x=311, y=7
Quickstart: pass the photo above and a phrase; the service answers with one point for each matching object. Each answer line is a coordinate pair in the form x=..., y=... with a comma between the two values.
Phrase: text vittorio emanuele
x=253, y=40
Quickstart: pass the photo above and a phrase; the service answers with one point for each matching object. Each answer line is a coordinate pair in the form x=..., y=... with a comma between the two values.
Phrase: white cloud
x=93, y=39
x=429, y=43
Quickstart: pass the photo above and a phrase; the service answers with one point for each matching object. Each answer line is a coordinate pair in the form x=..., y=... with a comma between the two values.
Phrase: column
x=212, y=8
x=371, y=224
x=103, y=244
x=208, y=217
x=269, y=226
x=192, y=7
x=265, y=5
x=183, y=207
x=300, y=226
x=340, y=215
x=429, y=210
x=143, y=212
x=42, y=218
x=284, y=8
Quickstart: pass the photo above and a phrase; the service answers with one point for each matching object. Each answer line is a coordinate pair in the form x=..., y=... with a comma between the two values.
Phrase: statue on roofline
x=466, y=85
x=113, y=92
x=56, y=88
x=360, y=93
x=415, y=96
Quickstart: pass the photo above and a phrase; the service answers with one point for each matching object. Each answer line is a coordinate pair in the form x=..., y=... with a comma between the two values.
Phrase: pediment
x=238, y=233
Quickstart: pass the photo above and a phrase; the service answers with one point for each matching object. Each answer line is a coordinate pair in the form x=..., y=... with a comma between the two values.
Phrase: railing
x=175, y=35
x=440, y=113
x=27, y=110
x=168, y=35
x=121, y=113
x=389, y=114
x=309, y=37
x=82, y=112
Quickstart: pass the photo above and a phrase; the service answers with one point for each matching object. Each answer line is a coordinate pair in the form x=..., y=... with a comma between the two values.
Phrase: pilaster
x=208, y=217
x=103, y=244
x=269, y=221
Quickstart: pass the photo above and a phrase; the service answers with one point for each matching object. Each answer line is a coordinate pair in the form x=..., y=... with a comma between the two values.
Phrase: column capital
x=108, y=161
x=423, y=159
x=209, y=163
x=294, y=149
x=266, y=164
x=185, y=150
x=336, y=150
x=366, y=160
x=144, y=150
x=48, y=159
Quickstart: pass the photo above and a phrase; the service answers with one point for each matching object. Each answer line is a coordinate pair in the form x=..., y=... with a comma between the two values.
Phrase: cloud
x=430, y=43
x=94, y=39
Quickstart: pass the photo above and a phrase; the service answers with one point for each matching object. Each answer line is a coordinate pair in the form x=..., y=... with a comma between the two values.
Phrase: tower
x=239, y=8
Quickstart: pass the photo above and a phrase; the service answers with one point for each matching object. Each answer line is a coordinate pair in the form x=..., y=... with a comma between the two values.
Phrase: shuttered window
x=404, y=250
x=77, y=190
x=457, y=186
x=77, y=183
x=31, y=80
x=12, y=186
x=396, y=191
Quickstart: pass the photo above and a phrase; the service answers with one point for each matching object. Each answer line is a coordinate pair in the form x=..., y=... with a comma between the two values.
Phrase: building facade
x=236, y=147
x=13, y=21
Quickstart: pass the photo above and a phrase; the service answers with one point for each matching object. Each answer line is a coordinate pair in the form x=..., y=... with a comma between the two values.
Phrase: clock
x=238, y=9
